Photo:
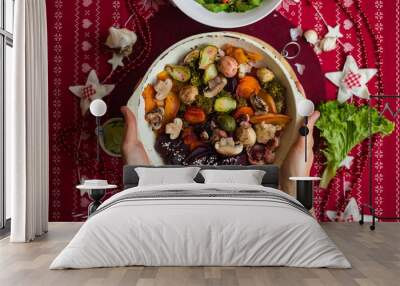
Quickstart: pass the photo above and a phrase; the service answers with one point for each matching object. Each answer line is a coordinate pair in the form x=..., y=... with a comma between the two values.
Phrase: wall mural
x=102, y=50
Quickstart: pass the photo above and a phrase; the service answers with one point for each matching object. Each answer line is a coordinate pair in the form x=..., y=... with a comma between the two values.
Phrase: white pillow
x=247, y=177
x=166, y=176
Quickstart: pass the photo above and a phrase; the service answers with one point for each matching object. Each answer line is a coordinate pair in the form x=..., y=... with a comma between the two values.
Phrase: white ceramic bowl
x=225, y=20
x=101, y=141
x=272, y=59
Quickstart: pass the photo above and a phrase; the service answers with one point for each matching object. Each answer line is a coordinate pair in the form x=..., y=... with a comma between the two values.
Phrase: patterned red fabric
x=77, y=32
x=352, y=80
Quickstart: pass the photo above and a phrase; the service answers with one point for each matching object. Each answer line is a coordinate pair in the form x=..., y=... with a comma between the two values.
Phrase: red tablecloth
x=78, y=28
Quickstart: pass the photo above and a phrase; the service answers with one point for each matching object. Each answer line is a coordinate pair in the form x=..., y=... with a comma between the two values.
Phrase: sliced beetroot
x=231, y=85
x=173, y=152
x=202, y=156
x=240, y=159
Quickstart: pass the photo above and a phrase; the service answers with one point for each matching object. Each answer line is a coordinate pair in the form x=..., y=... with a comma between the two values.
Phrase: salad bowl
x=271, y=58
x=199, y=13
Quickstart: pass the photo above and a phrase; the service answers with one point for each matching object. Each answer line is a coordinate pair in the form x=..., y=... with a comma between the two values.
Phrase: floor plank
x=375, y=257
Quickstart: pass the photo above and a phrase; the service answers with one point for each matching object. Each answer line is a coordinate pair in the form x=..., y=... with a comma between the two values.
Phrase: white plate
x=225, y=20
x=272, y=59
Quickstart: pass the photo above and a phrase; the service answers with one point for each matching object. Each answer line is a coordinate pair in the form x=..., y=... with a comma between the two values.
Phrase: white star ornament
x=334, y=32
x=352, y=80
x=116, y=61
x=93, y=89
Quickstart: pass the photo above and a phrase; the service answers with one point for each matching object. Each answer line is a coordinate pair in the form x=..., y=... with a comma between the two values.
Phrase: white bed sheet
x=200, y=232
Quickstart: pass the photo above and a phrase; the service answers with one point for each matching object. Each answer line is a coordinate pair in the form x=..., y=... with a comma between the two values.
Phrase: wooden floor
x=375, y=257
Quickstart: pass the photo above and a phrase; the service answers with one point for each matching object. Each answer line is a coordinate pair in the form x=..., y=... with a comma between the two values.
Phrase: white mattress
x=202, y=231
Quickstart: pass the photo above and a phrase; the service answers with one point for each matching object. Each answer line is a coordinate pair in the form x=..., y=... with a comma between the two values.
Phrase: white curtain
x=27, y=124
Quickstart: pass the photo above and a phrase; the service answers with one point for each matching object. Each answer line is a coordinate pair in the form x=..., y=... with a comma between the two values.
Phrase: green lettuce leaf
x=344, y=126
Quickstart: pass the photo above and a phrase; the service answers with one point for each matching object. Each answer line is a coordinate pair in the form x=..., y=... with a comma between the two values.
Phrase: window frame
x=6, y=39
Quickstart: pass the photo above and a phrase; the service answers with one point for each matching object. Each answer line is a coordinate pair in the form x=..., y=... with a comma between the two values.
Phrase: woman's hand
x=133, y=152
x=294, y=164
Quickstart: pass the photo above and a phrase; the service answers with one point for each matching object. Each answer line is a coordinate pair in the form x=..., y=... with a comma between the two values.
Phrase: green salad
x=217, y=6
x=343, y=126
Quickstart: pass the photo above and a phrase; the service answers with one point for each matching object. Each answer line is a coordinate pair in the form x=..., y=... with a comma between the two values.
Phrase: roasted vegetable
x=190, y=138
x=242, y=102
x=225, y=104
x=269, y=101
x=228, y=66
x=277, y=91
x=243, y=111
x=195, y=79
x=240, y=56
x=155, y=118
x=163, y=87
x=226, y=122
x=271, y=118
x=188, y=94
x=210, y=73
x=228, y=147
x=215, y=86
x=246, y=134
x=174, y=128
x=254, y=56
x=163, y=75
x=179, y=73
x=171, y=107
x=265, y=131
x=265, y=75
x=207, y=56
x=205, y=103
x=259, y=105
x=247, y=87
x=192, y=57
x=195, y=115
x=343, y=126
x=149, y=95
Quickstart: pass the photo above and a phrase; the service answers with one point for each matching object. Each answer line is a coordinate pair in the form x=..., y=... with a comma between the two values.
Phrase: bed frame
x=271, y=177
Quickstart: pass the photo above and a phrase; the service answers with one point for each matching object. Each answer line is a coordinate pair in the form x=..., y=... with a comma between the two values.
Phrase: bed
x=197, y=224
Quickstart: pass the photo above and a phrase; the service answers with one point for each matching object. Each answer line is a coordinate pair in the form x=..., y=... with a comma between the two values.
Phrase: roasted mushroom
x=155, y=118
x=259, y=105
x=163, y=87
x=228, y=66
x=265, y=75
x=174, y=128
x=218, y=134
x=228, y=147
x=188, y=94
x=266, y=132
x=246, y=134
x=215, y=86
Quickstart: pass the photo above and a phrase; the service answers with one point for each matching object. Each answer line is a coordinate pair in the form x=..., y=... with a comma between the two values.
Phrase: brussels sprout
x=207, y=56
x=210, y=73
x=226, y=122
x=265, y=75
x=191, y=57
x=225, y=104
x=179, y=73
